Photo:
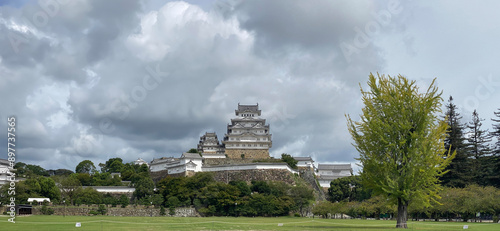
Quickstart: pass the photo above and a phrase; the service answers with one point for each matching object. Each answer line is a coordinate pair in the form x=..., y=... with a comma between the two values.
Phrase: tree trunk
x=402, y=214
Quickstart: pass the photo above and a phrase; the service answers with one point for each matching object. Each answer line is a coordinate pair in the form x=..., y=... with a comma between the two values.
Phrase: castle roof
x=253, y=108
x=302, y=158
x=334, y=167
x=248, y=108
x=191, y=155
x=4, y=162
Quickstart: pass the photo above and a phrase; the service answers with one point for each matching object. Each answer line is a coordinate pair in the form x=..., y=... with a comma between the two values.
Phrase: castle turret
x=209, y=146
x=247, y=136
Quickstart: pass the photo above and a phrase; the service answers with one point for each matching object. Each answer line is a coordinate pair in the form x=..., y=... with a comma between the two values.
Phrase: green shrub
x=46, y=211
x=162, y=211
x=102, y=209
x=124, y=201
x=296, y=215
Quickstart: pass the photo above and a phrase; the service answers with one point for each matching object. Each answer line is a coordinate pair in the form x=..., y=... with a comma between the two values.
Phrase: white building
x=209, y=146
x=188, y=162
x=4, y=171
x=140, y=161
x=250, y=166
x=113, y=189
x=39, y=201
x=304, y=162
x=328, y=172
x=248, y=135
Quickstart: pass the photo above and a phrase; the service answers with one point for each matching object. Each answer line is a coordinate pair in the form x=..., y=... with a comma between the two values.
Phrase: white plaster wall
x=121, y=190
x=248, y=167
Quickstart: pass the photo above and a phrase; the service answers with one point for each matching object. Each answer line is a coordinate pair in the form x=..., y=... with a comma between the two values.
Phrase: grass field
x=51, y=223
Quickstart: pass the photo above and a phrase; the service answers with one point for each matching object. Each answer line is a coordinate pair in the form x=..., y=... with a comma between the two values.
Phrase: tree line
x=348, y=196
x=408, y=151
x=209, y=197
x=477, y=159
x=236, y=198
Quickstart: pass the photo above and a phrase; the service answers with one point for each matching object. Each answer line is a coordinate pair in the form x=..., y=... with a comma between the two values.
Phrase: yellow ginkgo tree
x=400, y=141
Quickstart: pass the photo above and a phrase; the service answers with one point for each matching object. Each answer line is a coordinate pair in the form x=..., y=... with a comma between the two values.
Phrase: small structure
x=39, y=201
x=4, y=172
x=140, y=161
x=113, y=174
x=24, y=209
x=209, y=146
x=188, y=163
x=250, y=166
x=328, y=172
x=304, y=162
x=113, y=189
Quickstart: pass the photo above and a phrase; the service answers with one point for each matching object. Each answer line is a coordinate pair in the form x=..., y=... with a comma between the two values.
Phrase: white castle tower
x=247, y=136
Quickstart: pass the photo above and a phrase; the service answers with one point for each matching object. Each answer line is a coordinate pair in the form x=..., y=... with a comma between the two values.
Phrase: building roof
x=163, y=160
x=329, y=177
x=38, y=199
x=108, y=187
x=210, y=134
x=4, y=162
x=250, y=107
x=191, y=155
x=303, y=158
x=334, y=167
x=140, y=161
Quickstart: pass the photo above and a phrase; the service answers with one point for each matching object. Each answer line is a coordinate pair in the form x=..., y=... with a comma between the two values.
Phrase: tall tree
x=480, y=150
x=496, y=132
x=348, y=189
x=495, y=180
x=49, y=189
x=401, y=141
x=85, y=166
x=289, y=160
x=112, y=165
x=69, y=186
x=459, y=170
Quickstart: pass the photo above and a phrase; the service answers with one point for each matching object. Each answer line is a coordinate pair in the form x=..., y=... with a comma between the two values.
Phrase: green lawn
x=40, y=223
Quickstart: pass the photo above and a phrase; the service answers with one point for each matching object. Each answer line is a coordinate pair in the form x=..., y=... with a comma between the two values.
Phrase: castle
x=244, y=147
x=248, y=136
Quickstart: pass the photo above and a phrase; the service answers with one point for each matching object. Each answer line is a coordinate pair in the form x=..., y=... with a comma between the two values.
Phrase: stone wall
x=226, y=161
x=157, y=176
x=257, y=174
x=129, y=211
x=308, y=175
x=249, y=153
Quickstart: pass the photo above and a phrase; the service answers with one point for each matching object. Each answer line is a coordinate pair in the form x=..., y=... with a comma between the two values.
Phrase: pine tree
x=479, y=150
x=495, y=178
x=459, y=171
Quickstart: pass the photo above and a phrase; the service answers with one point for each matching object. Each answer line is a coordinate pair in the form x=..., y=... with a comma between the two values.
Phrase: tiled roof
x=334, y=167
x=302, y=158
x=329, y=177
x=191, y=155
x=4, y=162
x=254, y=108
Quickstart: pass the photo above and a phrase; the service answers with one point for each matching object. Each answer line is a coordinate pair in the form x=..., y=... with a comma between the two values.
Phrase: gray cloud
x=102, y=79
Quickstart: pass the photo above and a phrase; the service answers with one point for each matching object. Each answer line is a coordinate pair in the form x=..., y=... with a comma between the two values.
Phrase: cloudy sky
x=101, y=79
